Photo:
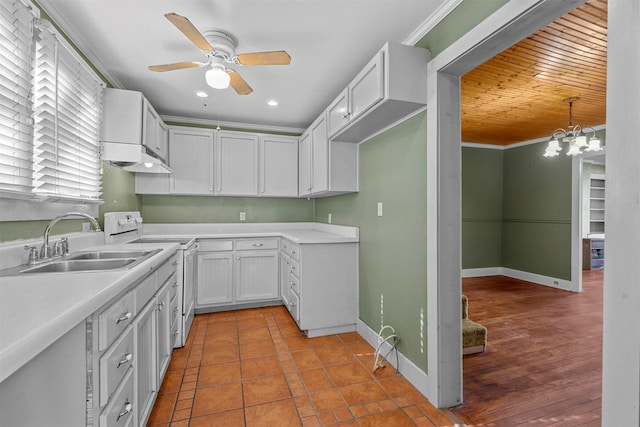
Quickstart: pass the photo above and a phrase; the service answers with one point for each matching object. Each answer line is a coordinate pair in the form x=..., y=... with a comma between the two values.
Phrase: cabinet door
x=305, y=165
x=162, y=148
x=367, y=88
x=145, y=382
x=320, y=147
x=215, y=278
x=122, y=112
x=256, y=275
x=191, y=154
x=285, y=272
x=338, y=112
x=149, y=126
x=278, y=166
x=236, y=164
x=164, y=328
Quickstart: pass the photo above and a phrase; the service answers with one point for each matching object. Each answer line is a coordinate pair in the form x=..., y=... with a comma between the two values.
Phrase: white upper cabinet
x=236, y=166
x=191, y=154
x=278, y=167
x=392, y=86
x=364, y=91
x=326, y=167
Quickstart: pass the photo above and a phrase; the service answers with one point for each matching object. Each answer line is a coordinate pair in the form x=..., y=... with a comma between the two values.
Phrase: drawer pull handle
x=174, y=263
x=293, y=252
x=126, y=359
x=257, y=245
x=125, y=410
x=125, y=316
x=176, y=333
x=175, y=310
x=175, y=285
x=160, y=306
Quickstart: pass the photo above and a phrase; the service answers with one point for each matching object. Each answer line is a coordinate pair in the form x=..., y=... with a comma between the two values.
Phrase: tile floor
x=254, y=368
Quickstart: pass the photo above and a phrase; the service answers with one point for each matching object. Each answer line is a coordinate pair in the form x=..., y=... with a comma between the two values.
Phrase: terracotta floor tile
x=350, y=337
x=306, y=411
x=180, y=423
x=186, y=394
x=281, y=414
x=220, y=398
x=172, y=381
x=217, y=338
x=301, y=401
x=334, y=355
x=373, y=407
x=220, y=354
x=312, y=421
x=328, y=400
x=306, y=359
x=358, y=411
x=413, y=411
x=163, y=408
x=388, y=405
x=398, y=386
x=363, y=393
x=219, y=374
x=316, y=380
x=260, y=367
x=296, y=343
x=223, y=419
x=327, y=418
x=395, y=418
x=257, y=349
x=346, y=424
x=252, y=323
x=181, y=414
x=184, y=404
x=257, y=334
x=424, y=422
x=361, y=348
x=178, y=361
x=326, y=341
x=223, y=316
x=265, y=389
x=348, y=373
x=343, y=414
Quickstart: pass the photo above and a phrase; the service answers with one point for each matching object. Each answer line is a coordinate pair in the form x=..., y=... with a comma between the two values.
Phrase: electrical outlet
x=379, y=208
x=329, y=218
x=243, y=216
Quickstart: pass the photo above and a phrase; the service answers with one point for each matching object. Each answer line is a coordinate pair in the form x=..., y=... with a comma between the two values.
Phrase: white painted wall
x=621, y=345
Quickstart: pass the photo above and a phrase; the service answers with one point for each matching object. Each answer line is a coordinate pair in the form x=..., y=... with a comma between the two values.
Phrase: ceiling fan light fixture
x=217, y=77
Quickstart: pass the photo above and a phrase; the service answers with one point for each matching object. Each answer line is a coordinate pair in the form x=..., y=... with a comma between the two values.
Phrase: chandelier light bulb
x=594, y=145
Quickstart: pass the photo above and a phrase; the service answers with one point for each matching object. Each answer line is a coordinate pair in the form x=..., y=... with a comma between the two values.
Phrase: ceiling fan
x=219, y=48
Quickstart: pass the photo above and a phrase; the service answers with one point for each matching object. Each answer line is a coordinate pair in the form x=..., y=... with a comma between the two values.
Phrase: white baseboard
x=539, y=279
x=406, y=367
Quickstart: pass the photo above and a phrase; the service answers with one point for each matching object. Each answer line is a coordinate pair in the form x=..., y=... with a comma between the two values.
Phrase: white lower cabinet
x=130, y=343
x=323, y=286
x=235, y=272
x=285, y=272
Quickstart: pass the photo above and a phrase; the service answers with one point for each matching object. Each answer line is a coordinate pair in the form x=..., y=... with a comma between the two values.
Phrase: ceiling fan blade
x=189, y=30
x=276, y=57
x=176, y=66
x=239, y=84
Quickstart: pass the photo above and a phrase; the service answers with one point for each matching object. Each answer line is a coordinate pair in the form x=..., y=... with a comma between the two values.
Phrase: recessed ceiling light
x=272, y=103
x=201, y=94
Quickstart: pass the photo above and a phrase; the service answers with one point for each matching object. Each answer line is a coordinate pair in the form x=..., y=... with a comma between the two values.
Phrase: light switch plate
x=243, y=216
x=379, y=208
x=329, y=218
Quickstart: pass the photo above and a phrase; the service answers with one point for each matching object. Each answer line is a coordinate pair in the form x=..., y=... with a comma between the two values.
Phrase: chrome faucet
x=45, y=250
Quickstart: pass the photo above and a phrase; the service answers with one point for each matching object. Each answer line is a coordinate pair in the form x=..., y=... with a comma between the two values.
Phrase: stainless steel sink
x=70, y=265
x=110, y=254
x=93, y=261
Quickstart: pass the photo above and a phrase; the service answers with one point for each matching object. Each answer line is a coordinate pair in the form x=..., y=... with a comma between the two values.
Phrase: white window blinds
x=67, y=106
x=16, y=128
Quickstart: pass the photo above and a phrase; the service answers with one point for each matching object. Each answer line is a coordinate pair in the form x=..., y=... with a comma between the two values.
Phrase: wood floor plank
x=543, y=364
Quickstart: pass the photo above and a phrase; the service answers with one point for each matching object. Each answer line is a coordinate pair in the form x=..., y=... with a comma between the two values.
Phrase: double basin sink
x=93, y=261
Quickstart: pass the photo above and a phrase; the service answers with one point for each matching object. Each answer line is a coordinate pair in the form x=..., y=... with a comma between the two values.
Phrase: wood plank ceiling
x=518, y=95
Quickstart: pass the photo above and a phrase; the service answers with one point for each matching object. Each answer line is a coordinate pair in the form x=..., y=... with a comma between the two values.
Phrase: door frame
x=507, y=26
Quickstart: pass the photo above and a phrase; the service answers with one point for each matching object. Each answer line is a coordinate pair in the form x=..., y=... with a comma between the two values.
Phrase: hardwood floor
x=543, y=364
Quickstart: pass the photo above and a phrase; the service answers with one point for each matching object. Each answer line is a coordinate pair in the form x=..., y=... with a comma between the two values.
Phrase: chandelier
x=574, y=136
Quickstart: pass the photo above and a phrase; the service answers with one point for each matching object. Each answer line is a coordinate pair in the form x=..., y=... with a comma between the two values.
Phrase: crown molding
x=434, y=19
x=235, y=125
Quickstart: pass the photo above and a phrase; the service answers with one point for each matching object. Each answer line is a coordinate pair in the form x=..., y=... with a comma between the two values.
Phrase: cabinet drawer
x=256, y=244
x=119, y=411
x=175, y=308
x=173, y=286
x=144, y=291
x=114, y=364
x=113, y=320
x=294, y=306
x=166, y=270
x=215, y=245
x=293, y=251
x=295, y=268
x=294, y=284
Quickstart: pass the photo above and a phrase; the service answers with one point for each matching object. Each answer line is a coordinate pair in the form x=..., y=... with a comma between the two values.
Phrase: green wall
x=206, y=209
x=536, y=233
x=392, y=247
x=481, y=207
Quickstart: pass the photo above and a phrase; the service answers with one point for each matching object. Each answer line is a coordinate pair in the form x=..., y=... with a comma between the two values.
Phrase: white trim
x=213, y=123
x=482, y=272
x=539, y=279
x=576, y=224
x=486, y=146
x=434, y=19
x=416, y=376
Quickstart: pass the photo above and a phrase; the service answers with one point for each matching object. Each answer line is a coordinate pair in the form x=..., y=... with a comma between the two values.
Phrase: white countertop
x=298, y=232
x=38, y=309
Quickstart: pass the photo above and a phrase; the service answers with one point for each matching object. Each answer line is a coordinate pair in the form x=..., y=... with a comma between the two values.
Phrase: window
x=16, y=128
x=67, y=105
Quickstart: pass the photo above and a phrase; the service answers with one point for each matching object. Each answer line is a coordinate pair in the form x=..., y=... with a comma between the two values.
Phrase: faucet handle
x=33, y=253
x=64, y=246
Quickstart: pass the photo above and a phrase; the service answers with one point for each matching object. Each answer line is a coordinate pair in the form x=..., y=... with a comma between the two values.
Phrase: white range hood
x=132, y=157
